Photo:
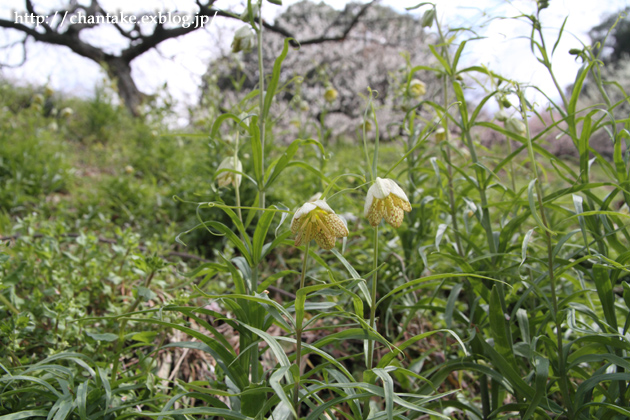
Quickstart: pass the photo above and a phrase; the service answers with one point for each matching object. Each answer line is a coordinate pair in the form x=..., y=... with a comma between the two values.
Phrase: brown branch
x=322, y=38
x=31, y=10
x=21, y=42
x=71, y=41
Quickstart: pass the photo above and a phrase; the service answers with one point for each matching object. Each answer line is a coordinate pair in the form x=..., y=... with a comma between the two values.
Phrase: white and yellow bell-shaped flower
x=243, y=39
x=417, y=88
x=227, y=178
x=385, y=199
x=316, y=220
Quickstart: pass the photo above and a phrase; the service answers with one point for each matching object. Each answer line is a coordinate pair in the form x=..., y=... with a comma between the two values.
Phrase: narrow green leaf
x=62, y=407
x=275, y=169
x=217, y=123
x=388, y=388
x=587, y=386
x=208, y=344
x=274, y=381
x=275, y=78
x=577, y=89
x=526, y=240
x=275, y=347
x=203, y=411
x=353, y=273
x=25, y=415
x=450, y=304
x=238, y=279
x=605, y=293
x=498, y=330
x=457, y=55
x=260, y=234
x=553, y=50
x=579, y=208
x=351, y=334
x=459, y=94
x=81, y=400
x=438, y=236
x=541, y=368
x=102, y=337
x=441, y=59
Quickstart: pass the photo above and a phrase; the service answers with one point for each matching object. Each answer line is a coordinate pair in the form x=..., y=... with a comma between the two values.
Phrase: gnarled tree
x=63, y=27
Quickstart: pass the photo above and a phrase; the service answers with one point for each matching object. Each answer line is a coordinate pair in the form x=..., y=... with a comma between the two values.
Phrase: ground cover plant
x=428, y=276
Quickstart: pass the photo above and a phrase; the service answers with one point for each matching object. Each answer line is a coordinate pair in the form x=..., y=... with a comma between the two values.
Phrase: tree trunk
x=119, y=70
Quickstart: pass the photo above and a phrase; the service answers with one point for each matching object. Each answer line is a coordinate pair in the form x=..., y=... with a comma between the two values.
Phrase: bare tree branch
x=323, y=37
x=118, y=67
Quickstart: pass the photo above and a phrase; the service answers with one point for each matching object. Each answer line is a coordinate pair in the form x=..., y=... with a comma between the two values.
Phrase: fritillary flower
x=227, y=178
x=385, y=199
x=316, y=220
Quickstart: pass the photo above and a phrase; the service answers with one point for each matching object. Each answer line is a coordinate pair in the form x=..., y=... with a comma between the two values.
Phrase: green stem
x=564, y=383
x=298, y=339
x=261, y=117
x=8, y=304
x=236, y=185
x=479, y=172
x=451, y=195
x=370, y=360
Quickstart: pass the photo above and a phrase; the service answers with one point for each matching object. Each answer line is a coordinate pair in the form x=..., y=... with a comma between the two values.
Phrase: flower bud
x=417, y=88
x=330, y=94
x=440, y=134
x=516, y=126
x=243, y=40
x=542, y=4
x=501, y=115
x=66, y=112
x=227, y=178
x=427, y=18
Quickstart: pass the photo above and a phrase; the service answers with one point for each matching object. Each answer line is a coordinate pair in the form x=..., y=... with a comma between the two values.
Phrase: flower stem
x=370, y=360
x=261, y=96
x=562, y=376
x=236, y=184
x=298, y=338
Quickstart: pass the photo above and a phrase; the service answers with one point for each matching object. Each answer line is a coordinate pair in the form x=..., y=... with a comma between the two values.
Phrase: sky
x=182, y=61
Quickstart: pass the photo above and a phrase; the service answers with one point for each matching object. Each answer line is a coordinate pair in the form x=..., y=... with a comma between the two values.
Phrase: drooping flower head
x=440, y=134
x=316, y=220
x=385, y=199
x=417, y=88
x=243, y=39
x=227, y=178
x=330, y=94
